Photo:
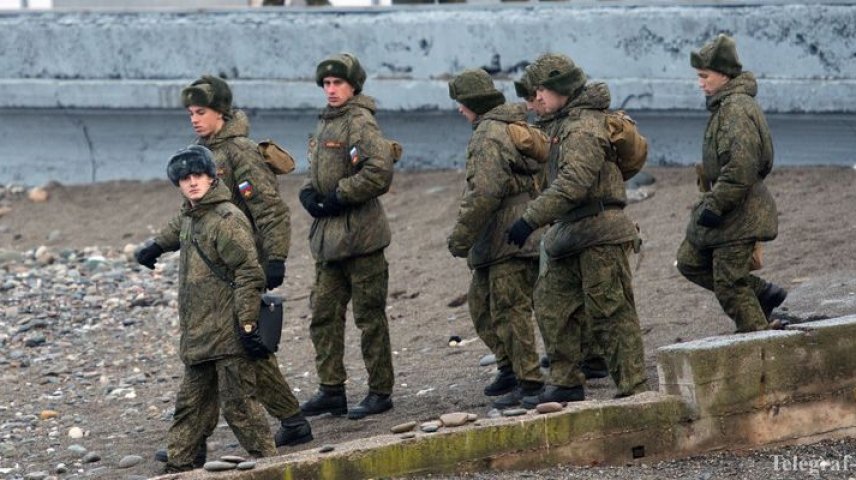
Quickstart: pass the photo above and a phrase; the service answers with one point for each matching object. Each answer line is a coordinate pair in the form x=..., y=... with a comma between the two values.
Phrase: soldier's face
x=470, y=115
x=337, y=90
x=710, y=81
x=535, y=105
x=550, y=101
x=195, y=186
x=205, y=121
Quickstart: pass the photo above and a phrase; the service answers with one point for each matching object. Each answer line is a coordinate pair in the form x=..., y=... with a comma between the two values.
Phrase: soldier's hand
x=332, y=206
x=251, y=340
x=709, y=219
x=147, y=256
x=519, y=232
x=311, y=201
x=274, y=273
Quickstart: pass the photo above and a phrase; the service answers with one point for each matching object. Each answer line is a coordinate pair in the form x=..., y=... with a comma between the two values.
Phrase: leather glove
x=148, y=255
x=252, y=342
x=519, y=232
x=274, y=273
x=709, y=219
x=332, y=206
x=311, y=201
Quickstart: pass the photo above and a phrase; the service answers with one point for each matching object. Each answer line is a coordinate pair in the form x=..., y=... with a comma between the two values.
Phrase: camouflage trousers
x=725, y=272
x=227, y=384
x=500, y=302
x=362, y=280
x=273, y=391
x=594, y=285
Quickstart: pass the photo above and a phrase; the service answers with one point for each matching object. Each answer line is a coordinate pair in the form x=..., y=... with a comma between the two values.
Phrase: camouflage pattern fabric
x=594, y=285
x=226, y=384
x=362, y=279
x=349, y=155
x=273, y=390
x=725, y=272
x=500, y=302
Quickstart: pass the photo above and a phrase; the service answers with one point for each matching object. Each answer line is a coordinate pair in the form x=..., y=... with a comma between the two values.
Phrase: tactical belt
x=590, y=210
x=519, y=199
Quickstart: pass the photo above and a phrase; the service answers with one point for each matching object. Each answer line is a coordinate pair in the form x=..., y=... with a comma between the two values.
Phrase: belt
x=590, y=210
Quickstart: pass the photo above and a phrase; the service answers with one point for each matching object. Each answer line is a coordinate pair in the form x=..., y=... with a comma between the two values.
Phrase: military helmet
x=475, y=90
x=208, y=91
x=344, y=66
x=558, y=73
x=193, y=159
x=720, y=55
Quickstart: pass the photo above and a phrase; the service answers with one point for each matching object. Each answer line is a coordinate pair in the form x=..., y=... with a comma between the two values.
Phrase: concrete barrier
x=801, y=51
x=717, y=393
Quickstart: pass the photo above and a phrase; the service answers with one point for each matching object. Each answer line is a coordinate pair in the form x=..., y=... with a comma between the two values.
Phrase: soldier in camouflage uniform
x=588, y=275
x=594, y=363
x=218, y=320
x=500, y=182
x=253, y=186
x=351, y=166
x=736, y=211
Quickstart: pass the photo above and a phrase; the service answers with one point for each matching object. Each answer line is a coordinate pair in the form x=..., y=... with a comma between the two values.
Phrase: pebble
x=403, y=427
x=61, y=468
x=429, y=428
x=408, y=436
x=472, y=417
x=129, y=461
x=75, y=432
x=218, y=466
x=514, y=412
x=78, y=450
x=487, y=360
x=454, y=419
x=548, y=407
x=91, y=457
x=326, y=448
x=494, y=413
x=233, y=459
x=48, y=414
x=36, y=476
x=248, y=465
x=38, y=195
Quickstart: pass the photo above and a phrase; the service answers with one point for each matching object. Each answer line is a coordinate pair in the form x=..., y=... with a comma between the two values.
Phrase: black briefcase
x=270, y=321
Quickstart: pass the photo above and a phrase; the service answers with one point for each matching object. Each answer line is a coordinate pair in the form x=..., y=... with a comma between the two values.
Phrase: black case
x=270, y=321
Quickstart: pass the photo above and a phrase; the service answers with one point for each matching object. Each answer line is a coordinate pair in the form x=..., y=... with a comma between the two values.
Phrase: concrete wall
x=803, y=53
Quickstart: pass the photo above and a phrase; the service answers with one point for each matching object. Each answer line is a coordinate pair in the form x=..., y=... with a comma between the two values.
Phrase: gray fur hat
x=208, y=91
x=344, y=66
x=193, y=159
x=475, y=89
x=558, y=73
x=720, y=55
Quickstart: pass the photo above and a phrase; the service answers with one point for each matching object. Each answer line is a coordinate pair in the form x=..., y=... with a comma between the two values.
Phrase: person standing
x=350, y=167
x=736, y=210
x=500, y=182
x=587, y=276
x=217, y=319
x=254, y=190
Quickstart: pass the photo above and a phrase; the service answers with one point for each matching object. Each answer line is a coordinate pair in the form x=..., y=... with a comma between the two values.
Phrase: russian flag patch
x=245, y=188
x=355, y=155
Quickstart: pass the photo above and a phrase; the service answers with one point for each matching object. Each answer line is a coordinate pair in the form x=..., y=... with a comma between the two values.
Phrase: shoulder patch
x=333, y=144
x=246, y=189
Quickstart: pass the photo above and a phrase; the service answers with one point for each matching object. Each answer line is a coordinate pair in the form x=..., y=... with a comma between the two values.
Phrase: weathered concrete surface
x=803, y=52
x=81, y=146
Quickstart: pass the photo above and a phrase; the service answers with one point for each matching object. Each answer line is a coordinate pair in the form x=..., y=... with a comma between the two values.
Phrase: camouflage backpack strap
x=214, y=269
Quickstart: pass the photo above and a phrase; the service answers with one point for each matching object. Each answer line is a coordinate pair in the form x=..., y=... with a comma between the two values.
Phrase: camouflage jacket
x=737, y=154
x=349, y=155
x=254, y=188
x=209, y=309
x=583, y=176
x=500, y=182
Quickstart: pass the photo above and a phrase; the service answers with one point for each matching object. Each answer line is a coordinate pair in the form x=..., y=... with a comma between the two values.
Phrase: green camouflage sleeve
x=580, y=159
x=486, y=186
x=270, y=214
x=372, y=158
x=738, y=146
x=236, y=248
x=168, y=237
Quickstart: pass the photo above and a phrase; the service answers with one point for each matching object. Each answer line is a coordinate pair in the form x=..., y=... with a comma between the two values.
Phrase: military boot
x=771, y=297
x=514, y=398
x=594, y=367
x=199, y=457
x=328, y=399
x=555, y=393
x=373, y=404
x=294, y=430
x=504, y=382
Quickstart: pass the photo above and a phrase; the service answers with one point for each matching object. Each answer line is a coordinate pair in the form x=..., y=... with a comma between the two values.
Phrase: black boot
x=199, y=458
x=594, y=367
x=504, y=382
x=294, y=430
x=328, y=399
x=526, y=388
x=771, y=297
x=555, y=393
x=373, y=404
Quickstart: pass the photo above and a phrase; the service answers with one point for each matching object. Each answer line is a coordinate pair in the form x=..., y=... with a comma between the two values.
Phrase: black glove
x=148, y=255
x=311, y=201
x=709, y=219
x=252, y=343
x=519, y=232
x=274, y=273
x=332, y=206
